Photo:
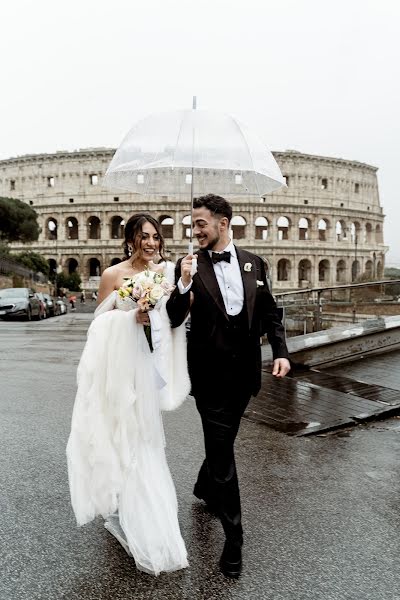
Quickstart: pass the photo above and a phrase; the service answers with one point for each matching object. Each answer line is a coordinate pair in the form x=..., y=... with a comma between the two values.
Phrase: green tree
x=18, y=221
x=34, y=261
x=4, y=250
x=71, y=282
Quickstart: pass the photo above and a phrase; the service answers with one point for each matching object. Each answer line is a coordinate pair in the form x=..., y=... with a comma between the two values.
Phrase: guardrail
x=314, y=309
x=8, y=266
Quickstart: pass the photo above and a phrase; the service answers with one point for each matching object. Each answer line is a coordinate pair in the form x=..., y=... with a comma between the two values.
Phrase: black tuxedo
x=224, y=361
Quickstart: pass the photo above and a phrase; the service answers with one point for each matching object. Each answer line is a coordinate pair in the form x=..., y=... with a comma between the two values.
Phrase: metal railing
x=314, y=309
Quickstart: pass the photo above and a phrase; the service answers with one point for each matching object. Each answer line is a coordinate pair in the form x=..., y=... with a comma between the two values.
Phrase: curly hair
x=217, y=205
x=133, y=234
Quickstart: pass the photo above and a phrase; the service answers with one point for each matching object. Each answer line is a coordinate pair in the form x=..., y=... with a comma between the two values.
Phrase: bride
x=116, y=449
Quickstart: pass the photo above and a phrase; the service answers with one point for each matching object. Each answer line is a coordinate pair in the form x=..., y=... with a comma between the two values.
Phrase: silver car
x=19, y=302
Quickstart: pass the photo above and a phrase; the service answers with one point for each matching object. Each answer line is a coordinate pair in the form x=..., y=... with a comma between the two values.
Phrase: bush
x=71, y=282
x=34, y=261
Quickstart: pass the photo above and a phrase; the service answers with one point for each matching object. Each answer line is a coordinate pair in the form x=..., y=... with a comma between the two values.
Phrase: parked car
x=61, y=308
x=49, y=304
x=19, y=302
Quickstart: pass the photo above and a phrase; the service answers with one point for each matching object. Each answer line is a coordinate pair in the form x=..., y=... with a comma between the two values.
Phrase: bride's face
x=149, y=245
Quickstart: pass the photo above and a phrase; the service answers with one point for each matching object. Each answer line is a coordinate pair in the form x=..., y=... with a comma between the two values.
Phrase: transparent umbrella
x=176, y=151
x=193, y=152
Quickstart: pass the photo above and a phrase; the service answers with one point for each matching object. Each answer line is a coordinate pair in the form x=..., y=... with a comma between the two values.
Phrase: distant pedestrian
x=72, y=302
x=83, y=297
x=94, y=296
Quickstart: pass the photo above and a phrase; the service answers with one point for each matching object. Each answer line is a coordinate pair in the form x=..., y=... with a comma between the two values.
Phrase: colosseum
x=324, y=228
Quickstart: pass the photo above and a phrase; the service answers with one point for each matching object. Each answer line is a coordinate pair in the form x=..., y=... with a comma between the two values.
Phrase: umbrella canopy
x=170, y=153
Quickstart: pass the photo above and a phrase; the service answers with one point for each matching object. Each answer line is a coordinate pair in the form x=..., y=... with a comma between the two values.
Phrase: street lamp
x=53, y=229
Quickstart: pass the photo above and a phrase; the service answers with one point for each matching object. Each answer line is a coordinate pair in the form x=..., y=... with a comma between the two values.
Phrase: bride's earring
x=130, y=248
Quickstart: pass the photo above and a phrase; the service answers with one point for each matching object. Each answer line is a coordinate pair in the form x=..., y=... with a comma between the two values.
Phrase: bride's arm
x=107, y=285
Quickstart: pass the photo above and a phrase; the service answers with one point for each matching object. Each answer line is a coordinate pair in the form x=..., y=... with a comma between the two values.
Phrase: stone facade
x=325, y=228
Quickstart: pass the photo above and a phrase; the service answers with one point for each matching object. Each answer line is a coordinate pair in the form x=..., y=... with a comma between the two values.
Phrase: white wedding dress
x=116, y=450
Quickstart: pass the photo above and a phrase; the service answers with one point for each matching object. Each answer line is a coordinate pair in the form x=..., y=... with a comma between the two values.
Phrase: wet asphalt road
x=321, y=514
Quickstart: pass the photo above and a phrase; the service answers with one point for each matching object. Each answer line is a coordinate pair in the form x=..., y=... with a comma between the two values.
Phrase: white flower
x=259, y=283
x=156, y=293
x=247, y=267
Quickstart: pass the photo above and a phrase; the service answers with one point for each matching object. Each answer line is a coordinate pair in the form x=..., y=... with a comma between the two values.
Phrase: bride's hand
x=142, y=317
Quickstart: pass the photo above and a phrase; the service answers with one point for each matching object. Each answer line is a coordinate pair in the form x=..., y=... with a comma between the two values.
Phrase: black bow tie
x=218, y=256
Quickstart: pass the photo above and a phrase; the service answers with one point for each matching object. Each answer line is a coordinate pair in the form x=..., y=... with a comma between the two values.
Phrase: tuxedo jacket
x=209, y=341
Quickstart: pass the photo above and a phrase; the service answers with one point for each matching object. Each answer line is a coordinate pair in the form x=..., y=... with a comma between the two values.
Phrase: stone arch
x=268, y=267
x=72, y=228
x=355, y=270
x=94, y=267
x=52, y=268
x=283, y=269
x=324, y=270
x=323, y=226
x=341, y=271
x=355, y=232
x=341, y=231
x=93, y=228
x=378, y=234
x=304, y=228
x=369, y=269
x=304, y=270
x=117, y=228
x=238, y=226
x=167, y=226
x=51, y=229
x=186, y=223
x=368, y=233
x=283, y=225
x=379, y=269
x=72, y=265
x=261, y=224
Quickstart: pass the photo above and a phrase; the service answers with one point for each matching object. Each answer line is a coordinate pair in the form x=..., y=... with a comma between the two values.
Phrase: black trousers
x=217, y=479
x=221, y=405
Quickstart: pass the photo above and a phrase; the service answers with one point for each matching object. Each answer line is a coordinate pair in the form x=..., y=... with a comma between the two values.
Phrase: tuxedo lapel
x=249, y=281
x=206, y=273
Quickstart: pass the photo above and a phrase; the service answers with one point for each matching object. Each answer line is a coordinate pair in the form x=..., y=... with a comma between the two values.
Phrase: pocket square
x=259, y=283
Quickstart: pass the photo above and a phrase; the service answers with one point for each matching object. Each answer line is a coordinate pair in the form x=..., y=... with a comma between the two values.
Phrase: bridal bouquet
x=146, y=289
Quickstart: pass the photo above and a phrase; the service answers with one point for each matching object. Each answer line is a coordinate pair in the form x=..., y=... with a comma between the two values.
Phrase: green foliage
x=34, y=261
x=392, y=273
x=4, y=250
x=70, y=282
x=18, y=221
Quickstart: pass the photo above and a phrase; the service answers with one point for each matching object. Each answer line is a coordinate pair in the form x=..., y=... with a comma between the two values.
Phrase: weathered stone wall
x=326, y=227
x=17, y=281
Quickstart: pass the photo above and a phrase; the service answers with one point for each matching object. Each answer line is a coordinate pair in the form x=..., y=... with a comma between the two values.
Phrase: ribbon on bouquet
x=156, y=332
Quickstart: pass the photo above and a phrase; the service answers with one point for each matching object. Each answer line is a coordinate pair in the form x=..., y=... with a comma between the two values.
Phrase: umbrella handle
x=194, y=260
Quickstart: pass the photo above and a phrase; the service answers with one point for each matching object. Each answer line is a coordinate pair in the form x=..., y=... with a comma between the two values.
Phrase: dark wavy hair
x=217, y=205
x=133, y=234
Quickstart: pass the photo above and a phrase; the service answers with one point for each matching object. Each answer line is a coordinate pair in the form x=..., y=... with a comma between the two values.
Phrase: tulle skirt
x=116, y=450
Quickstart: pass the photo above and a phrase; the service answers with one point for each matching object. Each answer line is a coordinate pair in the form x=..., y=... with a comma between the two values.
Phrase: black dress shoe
x=231, y=559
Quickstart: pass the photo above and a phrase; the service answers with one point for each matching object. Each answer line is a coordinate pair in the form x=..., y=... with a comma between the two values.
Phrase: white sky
x=317, y=76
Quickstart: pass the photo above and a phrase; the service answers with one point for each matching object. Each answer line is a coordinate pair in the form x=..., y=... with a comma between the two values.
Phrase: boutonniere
x=259, y=283
x=247, y=267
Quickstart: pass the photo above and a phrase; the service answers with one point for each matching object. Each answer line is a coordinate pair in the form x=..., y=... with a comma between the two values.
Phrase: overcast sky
x=321, y=77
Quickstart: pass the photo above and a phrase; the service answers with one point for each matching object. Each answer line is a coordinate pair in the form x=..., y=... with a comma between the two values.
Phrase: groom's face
x=207, y=228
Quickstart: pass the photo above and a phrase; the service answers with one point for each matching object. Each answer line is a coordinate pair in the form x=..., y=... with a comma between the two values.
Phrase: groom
x=231, y=307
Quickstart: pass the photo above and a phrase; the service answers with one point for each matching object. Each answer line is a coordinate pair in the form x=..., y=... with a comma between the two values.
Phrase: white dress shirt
x=229, y=280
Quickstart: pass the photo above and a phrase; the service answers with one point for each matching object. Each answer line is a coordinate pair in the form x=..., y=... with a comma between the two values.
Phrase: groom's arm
x=178, y=305
x=271, y=323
